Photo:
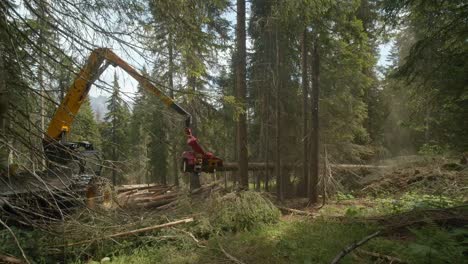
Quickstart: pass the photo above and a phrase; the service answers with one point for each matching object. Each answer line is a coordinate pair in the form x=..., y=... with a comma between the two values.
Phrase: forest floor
x=420, y=209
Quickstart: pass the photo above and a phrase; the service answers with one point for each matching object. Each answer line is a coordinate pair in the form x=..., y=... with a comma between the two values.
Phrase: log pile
x=156, y=197
x=159, y=197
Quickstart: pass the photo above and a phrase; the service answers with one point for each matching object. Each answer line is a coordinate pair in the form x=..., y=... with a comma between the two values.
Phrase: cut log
x=126, y=188
x=167, y=206
x=257, y=166
x=155, y=204
x=155, y=197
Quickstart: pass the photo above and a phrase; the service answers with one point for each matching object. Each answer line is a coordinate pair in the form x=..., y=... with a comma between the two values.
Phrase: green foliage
x=241, y=211
x=158, y=152
x=292, y=241
x=164, y=254
x=344, y=196
x=430, y=67
x=33, y=243
x=411, y=201
x=114, y=132
x=85, y=127
x=428, y=149
x=429, y=244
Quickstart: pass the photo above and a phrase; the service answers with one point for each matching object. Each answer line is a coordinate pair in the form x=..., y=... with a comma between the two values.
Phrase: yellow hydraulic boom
x=97, y=63
x=57, y=148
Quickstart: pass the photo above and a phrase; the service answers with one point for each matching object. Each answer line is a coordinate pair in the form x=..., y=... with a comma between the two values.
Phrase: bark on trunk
x=3, y=104
x=279, y=179
x=175, y=159
x=314, y=169
x=305, y=132
x=241, y=95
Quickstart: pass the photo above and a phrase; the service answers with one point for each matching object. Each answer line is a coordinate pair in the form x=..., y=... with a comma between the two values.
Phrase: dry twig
x=381, y=256
x=353, y=246
x=229, y=256
x=16, y=240
x=133, y=232
x=295, y=211
x=10, y=259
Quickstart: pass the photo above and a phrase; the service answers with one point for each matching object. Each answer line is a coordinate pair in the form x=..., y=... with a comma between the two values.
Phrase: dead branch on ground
x=353, y=246
x=295, y=211
x=133, y=232
x=380, y=256
x=10, y=259
x=229, y=256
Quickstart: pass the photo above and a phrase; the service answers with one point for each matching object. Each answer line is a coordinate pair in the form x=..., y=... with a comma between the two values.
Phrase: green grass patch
x=289, y=242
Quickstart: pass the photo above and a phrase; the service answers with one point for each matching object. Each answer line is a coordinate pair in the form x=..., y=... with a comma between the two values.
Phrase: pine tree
x=158, y=152
x=115, y=132
x=241, y=92
x=85, y=127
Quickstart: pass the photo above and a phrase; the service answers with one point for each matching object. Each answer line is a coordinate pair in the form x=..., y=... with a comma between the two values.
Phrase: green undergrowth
x=248, y=226
x=304, y=241
x=217, y=214
x=351, y=206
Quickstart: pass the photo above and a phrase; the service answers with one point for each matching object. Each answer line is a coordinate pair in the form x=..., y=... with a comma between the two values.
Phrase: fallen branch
x=166, y=206
x=457, y=215
x=229, y=256
x=295, y=211
x=134, y=232
x=9, y=259
x=191, y=236
x=381, y=256
x=16, y=240
x=353, y=246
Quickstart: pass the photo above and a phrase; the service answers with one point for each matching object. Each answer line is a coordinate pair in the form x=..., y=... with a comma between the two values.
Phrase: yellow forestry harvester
x=75, y=165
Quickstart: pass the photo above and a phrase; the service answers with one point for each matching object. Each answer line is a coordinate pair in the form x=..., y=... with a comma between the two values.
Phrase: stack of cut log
x=208, y=189
x=147, y=196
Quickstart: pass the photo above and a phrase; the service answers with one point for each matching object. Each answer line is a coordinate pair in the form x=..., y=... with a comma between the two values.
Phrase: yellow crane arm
x=97, y=63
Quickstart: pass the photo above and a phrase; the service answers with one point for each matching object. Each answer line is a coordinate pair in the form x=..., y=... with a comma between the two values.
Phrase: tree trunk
x=194, y=177
x=114, y=150
x=279, y=178
x=175, y=159
x=241, y=95
x=314, y=164
x=40, y=77
x=305, y=132
x=3, y=102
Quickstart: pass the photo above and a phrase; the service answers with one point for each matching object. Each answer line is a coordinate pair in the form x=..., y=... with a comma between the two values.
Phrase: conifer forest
x=234, y=131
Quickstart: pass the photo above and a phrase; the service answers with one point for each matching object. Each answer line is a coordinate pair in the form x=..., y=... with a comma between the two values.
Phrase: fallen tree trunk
x=156, y=204
x=126, y=188
x=294, y=211
x=153, y=198
x=257, y=166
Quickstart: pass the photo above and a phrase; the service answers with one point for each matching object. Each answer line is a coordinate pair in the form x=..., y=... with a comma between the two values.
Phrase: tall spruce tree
x=115, y=132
